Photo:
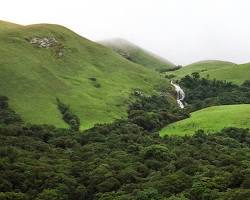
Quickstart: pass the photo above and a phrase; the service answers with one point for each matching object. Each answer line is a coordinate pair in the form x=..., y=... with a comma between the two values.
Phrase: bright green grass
x=219, y=70
x=33, y=77
x=137, y=54
x=211, y=119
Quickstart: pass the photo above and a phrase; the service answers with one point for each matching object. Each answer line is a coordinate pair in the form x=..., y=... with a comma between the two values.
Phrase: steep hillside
x=137, y=54
x=211, y=119
x=220, y=70
x=5, y=26
x=39, y=63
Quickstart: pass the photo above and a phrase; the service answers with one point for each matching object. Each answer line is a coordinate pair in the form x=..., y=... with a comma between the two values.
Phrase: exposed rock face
x=48, y=42
x=45, y=42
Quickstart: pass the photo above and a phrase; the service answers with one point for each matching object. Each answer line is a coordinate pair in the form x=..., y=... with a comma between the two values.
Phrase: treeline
x=68, y=116
x=154, y=112
x=7, y=115
x=163, y=70
x=122, y=161
x=201, y=92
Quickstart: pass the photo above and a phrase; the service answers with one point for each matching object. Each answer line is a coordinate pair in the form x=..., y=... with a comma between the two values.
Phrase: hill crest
x=92, y=79
x=137, y=54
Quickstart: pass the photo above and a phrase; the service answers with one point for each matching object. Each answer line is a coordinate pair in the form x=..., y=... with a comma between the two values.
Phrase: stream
x=180, y=94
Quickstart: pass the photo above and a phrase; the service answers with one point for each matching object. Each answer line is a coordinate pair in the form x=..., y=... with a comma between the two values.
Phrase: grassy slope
x=217, y=69
x=211, y=119
x=33, y=77
x=137, y=54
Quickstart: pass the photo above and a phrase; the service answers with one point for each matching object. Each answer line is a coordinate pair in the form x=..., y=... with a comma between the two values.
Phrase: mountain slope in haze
x=214, y=69
x=40, y=63
x=137, y=54
x=211, y=119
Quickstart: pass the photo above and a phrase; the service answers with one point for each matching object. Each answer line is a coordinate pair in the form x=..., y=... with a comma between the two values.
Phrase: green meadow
x=220, y=70
x=211, y=119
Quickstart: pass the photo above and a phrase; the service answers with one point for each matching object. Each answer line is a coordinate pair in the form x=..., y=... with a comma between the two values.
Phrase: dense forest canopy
x=202, y=92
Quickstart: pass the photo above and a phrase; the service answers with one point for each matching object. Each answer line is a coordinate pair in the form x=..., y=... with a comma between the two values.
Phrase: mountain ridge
x=92, y=79
x=215, y=69
x=137, y=54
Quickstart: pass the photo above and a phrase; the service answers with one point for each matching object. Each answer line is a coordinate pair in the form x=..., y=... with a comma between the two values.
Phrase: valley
x=109, y=120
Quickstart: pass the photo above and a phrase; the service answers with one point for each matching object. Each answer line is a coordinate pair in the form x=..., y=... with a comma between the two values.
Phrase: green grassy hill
x=211, y=119
x=220, y=70
x=94, y=80
x=137, y=54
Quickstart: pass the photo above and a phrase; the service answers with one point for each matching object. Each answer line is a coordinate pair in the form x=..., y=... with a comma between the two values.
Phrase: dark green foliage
x=162, y=70
x=94, y=82
x=97, y=85
x=202, y=92
x=122, y=161
x=148, y=194
x=92, y=79
x=154, y=112
x=170, y=76
x=7, y=115
x=12, y=196
x=70, y=118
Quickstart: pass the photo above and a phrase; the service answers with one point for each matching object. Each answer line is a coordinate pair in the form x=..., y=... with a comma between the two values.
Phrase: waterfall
x=180, y=94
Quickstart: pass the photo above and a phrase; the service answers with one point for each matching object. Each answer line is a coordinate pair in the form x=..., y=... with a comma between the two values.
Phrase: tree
x=12, y=196
x=148, y=194
x=50, y=194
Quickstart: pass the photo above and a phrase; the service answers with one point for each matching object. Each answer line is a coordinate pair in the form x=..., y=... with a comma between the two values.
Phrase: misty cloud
x=180, y=30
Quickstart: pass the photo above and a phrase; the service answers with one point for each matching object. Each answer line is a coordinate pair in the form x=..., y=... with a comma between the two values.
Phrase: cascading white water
x=180, y=94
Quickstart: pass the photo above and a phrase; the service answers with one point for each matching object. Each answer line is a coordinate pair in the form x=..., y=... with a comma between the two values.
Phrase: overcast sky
x=183, y=31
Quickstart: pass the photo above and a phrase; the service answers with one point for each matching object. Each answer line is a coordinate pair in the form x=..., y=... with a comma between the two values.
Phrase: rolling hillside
x=137, y=54
x=220, y=70
x=211, y=119
x=39, y=63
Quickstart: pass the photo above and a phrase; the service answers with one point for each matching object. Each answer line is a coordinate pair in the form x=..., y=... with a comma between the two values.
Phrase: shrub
x=70, y=118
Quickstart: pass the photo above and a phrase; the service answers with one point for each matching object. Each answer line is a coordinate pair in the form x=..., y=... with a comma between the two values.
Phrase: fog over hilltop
x=181, y=31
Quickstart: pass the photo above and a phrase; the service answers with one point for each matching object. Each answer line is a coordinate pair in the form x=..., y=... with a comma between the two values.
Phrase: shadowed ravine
x=180, y=94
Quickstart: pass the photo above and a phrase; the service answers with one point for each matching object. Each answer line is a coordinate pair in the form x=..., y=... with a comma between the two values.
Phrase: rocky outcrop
x=45, y=42
x=48, y=42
